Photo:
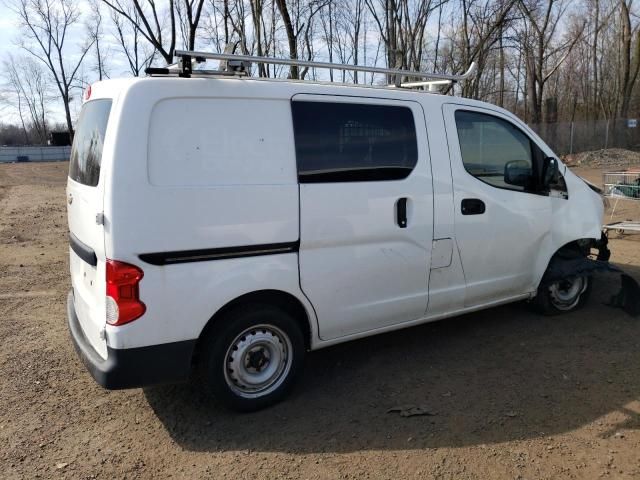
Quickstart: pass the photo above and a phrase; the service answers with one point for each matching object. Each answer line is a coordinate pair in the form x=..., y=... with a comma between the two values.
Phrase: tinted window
x=346, y=142
x=495, y=151
x=86, y=153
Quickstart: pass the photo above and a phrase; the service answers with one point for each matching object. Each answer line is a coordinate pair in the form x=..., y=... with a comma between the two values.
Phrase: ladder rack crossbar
x=183, y=54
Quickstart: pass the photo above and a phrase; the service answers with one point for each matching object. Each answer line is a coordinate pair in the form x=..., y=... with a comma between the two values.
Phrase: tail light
x=123, y=296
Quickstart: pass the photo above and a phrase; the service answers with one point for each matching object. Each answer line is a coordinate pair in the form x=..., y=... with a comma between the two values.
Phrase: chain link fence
x=574, y=137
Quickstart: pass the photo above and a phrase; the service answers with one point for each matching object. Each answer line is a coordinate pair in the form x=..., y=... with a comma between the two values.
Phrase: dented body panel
x=576, y=218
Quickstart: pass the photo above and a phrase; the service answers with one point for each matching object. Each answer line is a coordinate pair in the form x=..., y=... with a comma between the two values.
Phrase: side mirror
x=550, y=171
x=518, y=173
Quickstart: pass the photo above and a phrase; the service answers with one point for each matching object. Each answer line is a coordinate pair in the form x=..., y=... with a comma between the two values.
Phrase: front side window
x=495, y=151
x=86, y=152
x=347, y=142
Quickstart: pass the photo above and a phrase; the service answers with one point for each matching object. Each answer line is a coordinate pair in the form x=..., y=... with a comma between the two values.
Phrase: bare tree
x=544, y=55
x=292, y=36
x=480, y=39
x=94, y=29
x=218, y=24
x=630, y=57
x=354, y=18
x=567, y=58
x=128, y=38
x=31, y=93
x=150, y=22
x=328, y=21
x=402, y=25
x=300, y=26
x=343, y=23
x=189, y=13
x=149, y=25
x=14, y=84
x=257, y=15
x=46, y=24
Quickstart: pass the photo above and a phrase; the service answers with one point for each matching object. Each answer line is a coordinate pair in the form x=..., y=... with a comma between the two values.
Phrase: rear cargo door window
x=348, y=142
x=86, y=153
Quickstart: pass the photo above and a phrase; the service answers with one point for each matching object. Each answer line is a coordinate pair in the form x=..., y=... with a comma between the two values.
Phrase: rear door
x=366, y=211
x=85, y=197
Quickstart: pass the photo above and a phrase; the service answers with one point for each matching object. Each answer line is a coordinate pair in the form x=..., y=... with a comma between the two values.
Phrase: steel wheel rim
x=258, y=361
x=565, y=294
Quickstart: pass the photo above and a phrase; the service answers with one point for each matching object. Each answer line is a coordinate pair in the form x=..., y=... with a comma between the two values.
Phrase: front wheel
x=562, y=296
x=253, y=358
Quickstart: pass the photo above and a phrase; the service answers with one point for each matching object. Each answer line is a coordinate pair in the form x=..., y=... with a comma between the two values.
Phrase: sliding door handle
x=472, y=206
x=401, y=212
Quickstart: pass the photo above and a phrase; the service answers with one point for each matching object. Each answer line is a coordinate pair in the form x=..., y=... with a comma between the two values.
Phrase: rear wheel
x=562, y=296
x=253, y=358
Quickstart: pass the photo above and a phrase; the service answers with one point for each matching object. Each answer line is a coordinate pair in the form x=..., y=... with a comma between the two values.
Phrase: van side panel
x=216, y=173
x=195, y=172
x=220, y=141
x=182, y=298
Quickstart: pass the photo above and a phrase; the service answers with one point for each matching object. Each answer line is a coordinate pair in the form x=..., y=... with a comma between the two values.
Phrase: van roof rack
x=239, y=66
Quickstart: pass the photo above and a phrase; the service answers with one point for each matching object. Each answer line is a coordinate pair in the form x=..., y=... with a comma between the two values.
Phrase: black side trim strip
x=85, y=252
x=185, y=256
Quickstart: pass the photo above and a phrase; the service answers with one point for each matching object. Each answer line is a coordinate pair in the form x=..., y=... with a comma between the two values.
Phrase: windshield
x=86, y=153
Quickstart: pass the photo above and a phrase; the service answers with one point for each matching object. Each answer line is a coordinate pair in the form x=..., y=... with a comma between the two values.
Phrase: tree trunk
x=532, y=92
x=67, y=113
x=625, y=39
x=594, y=55
x=502, y=67
x=291, y=37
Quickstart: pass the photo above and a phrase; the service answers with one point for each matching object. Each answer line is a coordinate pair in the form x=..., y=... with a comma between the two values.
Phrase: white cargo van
x=225, y=225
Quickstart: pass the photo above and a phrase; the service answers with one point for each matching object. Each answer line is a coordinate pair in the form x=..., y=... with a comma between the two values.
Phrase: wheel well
x=277, y=298
x=583, y=246
x=576, y=247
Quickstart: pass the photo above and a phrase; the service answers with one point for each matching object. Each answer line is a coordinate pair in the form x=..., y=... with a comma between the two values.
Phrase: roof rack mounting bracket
x=184, y=62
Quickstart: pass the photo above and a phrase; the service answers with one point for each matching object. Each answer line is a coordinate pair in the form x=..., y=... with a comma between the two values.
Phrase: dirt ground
x=512, y=394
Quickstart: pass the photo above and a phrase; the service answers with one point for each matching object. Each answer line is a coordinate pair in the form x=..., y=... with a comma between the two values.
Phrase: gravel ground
x=511, y=394
x=613, y=157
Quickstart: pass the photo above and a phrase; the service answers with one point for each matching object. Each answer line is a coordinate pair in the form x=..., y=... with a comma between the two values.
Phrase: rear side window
x=86, y=153
x=347, y=142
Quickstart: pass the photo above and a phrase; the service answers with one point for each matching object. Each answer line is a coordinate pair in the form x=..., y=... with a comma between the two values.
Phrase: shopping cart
x=622, y=186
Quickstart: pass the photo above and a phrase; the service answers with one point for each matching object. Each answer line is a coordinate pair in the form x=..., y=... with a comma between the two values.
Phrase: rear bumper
x=131, y=367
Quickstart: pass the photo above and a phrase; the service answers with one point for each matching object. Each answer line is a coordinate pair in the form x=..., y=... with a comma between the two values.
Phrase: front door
x=502, y=221
x=366, y=211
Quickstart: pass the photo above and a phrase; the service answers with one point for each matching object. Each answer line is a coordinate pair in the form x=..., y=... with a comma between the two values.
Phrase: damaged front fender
x=575, y=219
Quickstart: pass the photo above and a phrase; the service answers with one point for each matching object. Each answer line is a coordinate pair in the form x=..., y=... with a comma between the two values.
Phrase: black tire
x=260, y=334
x=547, y=302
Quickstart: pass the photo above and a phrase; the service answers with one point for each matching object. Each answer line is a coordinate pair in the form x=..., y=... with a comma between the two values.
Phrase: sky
x=7, y=28
x=10, y=35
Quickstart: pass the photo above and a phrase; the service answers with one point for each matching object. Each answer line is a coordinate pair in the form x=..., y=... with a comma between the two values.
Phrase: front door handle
x=401, y=211
x=472, y=206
